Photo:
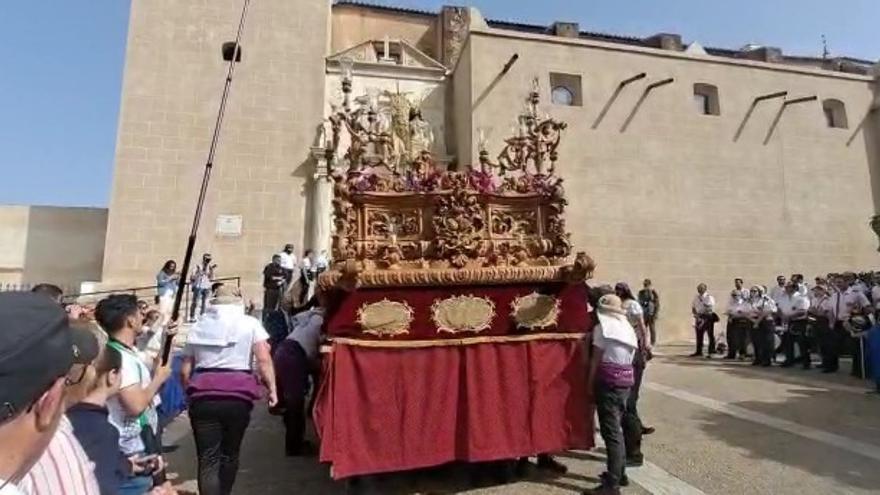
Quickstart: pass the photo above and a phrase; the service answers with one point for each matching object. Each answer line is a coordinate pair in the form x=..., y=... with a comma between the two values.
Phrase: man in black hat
x=37, y=351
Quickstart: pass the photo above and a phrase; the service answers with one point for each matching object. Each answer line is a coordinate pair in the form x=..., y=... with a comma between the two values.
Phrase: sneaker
x=623, y=481
x=635, y=462
x=648, y=430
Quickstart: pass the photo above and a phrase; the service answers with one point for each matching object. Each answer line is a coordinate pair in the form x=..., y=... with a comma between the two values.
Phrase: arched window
x=565, y=89
x=835, y=113
x=706, y=99
x=562, y=96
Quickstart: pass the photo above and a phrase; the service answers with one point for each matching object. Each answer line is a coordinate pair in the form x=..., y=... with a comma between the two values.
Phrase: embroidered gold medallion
x=458, y=314
x=385, y=318
x=535, y=311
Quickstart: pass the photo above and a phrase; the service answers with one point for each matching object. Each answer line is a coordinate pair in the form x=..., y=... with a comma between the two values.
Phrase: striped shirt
x=64, y=467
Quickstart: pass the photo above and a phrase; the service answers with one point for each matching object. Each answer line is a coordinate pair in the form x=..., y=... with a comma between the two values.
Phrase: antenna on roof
x=825, y=52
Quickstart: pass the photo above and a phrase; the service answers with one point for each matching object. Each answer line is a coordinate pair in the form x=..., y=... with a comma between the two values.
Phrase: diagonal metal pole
x=206, y=178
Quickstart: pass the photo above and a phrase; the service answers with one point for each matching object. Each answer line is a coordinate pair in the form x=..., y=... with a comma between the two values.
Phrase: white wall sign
x=229, y=225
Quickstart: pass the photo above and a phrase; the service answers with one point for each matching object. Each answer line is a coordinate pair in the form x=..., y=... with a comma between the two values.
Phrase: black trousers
x=763, y=342
x=632, y=422
x=704, y=326
x=611, y=406
x=832, y=346
x=271, y=299
x=796, y=336
x=218, y=428
x=651, y=323
x=737, y=335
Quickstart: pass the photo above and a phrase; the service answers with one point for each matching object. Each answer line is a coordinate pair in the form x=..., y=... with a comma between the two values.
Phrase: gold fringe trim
x=419, y=344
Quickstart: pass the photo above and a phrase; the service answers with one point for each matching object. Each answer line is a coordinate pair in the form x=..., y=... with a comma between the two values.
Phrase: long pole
x=191, y=242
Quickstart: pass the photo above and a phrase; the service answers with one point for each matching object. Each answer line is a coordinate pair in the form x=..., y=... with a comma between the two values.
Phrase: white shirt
x=224, y=338
x=843, y=304
x=9, y=488
x=776, y=293
x=703, y=305
x=875, y=296
x=133, y=373
x=634, y=311
x=307, y=331
x=789, y=304
x=613, y=351
x=288, y=261
x=64, y=468
x=738, y=307
x=762, y=308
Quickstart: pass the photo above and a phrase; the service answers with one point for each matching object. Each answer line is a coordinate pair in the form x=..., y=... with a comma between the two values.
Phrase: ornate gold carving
x=459, y=314
x=485, y=339
x=458, y=226
x=514, y=223
x=422, y=276
x=385, y=318
x=394, y=222
x=406, y=216
x=535, y=311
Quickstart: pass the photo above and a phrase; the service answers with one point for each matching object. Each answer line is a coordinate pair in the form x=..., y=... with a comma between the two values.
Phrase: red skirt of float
x=427, y=398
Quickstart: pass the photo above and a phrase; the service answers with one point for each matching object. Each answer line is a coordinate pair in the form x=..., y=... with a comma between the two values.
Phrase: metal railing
x=137, y=290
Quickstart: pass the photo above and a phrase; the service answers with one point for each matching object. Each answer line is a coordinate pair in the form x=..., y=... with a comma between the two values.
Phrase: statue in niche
x=421, y=135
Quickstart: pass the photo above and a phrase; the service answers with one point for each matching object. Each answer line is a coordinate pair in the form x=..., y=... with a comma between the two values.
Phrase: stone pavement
x=722, y=428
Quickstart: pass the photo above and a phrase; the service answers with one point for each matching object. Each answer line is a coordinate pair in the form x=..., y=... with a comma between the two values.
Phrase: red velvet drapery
x=382, y=410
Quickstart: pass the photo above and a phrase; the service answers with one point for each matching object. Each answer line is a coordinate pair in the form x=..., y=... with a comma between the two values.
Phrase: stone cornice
x=656, y=52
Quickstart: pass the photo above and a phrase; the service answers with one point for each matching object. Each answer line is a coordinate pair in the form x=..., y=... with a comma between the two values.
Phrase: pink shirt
x=64, y=467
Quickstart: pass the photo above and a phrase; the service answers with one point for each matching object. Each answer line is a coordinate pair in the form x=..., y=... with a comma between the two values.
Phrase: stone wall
x=656, y=189
x=59, y=245
x=174, y=76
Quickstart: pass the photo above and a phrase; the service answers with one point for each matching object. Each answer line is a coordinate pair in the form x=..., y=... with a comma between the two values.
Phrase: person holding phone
x=201, y=280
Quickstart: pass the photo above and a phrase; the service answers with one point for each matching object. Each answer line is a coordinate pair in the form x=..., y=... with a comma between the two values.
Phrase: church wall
x=351, y=25
x=658, y=190
x=59, y=245
x=173, y=80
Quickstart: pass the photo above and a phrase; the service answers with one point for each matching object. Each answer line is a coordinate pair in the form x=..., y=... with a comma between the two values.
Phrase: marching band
x=830, y=319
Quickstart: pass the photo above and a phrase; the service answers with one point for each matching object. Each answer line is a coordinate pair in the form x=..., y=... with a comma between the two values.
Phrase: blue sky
x=61, y=74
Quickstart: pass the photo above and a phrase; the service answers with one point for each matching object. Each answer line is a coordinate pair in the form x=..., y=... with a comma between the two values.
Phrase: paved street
x=722, y=428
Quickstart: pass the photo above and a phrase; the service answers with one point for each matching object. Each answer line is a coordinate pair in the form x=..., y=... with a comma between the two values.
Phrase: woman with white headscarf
x=221, y=352
x=611, y=374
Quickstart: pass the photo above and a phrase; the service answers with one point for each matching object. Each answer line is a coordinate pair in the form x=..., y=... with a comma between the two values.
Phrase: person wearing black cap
x=37, y=350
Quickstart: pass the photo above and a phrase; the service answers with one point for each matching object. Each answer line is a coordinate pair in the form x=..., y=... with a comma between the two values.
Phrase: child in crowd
x=100, y=439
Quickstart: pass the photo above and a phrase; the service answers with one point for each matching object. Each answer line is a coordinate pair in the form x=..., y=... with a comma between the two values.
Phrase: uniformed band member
x=703, y=309
x=844, y=303
x=793, y=308
x=738, y=323
x=762, y=315
x=819, y=316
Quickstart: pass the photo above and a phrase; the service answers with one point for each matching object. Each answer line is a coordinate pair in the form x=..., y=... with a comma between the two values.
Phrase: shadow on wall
x=64, y=246
x=870, y=129
x=843, y=413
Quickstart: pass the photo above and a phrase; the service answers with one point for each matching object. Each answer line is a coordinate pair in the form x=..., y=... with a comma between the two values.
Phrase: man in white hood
x=611, y=375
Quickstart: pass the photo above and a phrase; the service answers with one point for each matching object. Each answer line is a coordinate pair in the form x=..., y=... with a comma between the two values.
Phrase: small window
x=227, y=50
x=706, y=99
x=835, y=114
x=565, y=89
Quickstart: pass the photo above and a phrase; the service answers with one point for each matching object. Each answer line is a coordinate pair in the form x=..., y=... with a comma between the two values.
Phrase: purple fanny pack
x=616, y=375
x=223, y=384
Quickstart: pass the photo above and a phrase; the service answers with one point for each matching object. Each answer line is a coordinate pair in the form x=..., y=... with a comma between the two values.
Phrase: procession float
x=457, y=310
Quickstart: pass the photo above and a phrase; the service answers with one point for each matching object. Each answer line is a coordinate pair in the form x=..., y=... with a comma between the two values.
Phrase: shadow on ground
x=265, y=470
x=835, y=404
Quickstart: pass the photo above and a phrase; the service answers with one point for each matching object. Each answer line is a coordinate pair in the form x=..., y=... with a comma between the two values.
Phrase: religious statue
x=421, y=135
